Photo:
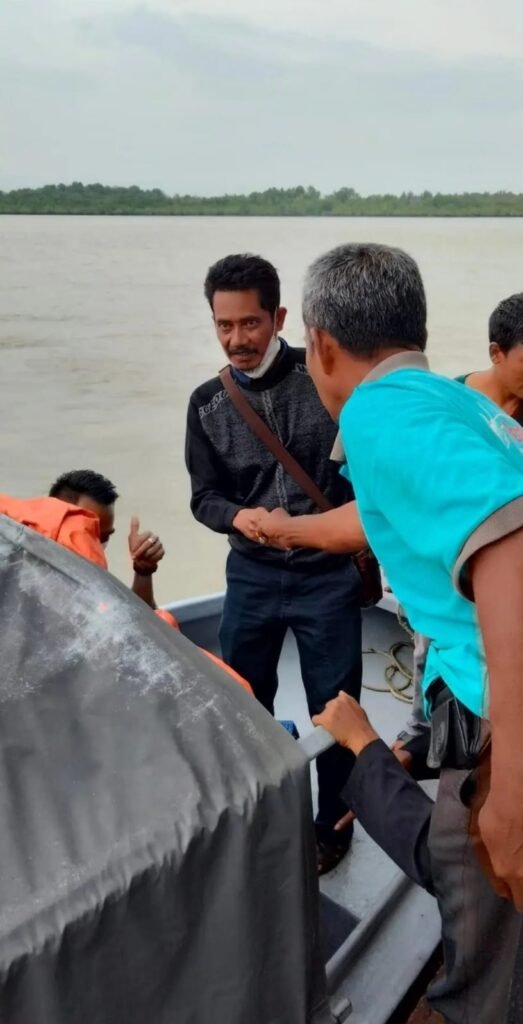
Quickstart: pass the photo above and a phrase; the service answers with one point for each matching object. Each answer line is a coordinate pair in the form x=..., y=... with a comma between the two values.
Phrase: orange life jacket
x=72, y=527
x=170, y=619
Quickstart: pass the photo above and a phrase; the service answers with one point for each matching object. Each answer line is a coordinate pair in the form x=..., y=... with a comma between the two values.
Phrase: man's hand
x=402, y=755
x=347, y=722
x=501, y=830
x=348, y=819
x=496, y=575
x=145, y=549
x=338, y=531
x=273, y=527
x=247, y=521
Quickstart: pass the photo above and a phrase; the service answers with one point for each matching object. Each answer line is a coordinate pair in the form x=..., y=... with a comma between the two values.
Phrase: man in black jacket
x=234, y=477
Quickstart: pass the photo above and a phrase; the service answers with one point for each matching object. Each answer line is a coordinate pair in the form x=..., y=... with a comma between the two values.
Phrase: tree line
x=273, y=202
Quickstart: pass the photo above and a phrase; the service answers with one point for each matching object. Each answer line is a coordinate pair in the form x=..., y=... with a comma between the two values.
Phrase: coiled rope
x=396, y=667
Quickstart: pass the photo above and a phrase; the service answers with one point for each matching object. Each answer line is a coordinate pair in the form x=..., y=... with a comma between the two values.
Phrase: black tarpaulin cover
x=156, y=850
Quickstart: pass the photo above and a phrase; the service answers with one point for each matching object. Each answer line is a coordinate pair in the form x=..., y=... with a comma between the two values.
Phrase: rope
x=395, y=666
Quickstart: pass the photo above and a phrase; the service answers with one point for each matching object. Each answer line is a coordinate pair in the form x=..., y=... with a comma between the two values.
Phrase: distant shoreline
x=107, y=201
x=266, y=216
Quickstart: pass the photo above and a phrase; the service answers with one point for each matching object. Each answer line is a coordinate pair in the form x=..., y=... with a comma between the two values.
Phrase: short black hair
x=241, y=273
x=368, y=297
x=84, y=483
x=505, y=326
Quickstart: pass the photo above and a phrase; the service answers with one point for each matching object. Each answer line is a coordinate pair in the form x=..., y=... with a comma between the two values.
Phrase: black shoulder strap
x=269, y=439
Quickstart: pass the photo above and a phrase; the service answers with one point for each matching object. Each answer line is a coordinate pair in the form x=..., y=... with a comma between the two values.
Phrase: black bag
x=457, y=734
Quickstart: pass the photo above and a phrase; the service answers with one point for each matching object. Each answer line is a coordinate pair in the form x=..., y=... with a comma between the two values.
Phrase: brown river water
x=104, y=332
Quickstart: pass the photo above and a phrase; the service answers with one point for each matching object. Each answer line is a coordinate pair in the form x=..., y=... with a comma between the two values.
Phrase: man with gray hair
x=437, y=473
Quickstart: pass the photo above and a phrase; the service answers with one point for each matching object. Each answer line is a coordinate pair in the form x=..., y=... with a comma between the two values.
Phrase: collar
x=278, y=369
x=271, y=354
x=337, y=454
x=408, y=360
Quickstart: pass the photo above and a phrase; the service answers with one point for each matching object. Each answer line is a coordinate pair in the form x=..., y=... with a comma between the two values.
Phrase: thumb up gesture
x=145, y=549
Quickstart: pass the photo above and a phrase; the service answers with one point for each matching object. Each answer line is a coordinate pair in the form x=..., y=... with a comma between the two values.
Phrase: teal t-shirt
x=430, y=461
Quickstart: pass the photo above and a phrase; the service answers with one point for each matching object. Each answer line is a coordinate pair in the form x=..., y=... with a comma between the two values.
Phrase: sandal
x=329, y=855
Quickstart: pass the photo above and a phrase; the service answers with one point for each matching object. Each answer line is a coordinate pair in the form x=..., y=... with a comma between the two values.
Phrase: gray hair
x=368, y=297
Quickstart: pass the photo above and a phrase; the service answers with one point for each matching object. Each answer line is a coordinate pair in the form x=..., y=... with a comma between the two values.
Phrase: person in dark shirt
x=234, y=478
x=397, y=814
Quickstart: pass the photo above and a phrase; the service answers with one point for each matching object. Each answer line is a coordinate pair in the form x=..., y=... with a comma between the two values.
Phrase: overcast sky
x=209, y=96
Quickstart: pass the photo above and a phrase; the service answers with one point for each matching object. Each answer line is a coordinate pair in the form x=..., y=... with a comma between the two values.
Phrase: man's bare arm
x=338, y=531
x=146, y=551
x=497, y=582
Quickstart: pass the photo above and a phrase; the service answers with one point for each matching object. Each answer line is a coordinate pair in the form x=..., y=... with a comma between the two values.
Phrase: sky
x=214, y=96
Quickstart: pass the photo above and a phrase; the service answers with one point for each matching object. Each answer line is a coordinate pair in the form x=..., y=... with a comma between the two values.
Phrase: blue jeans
x=323, y=612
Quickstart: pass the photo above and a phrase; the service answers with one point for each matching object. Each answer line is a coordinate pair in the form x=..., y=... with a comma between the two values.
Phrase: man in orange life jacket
x=94, y=492
x=84, y=526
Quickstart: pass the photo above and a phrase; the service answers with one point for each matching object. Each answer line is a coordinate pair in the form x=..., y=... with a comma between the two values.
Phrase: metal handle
x=342, y=1011
x=316, y=743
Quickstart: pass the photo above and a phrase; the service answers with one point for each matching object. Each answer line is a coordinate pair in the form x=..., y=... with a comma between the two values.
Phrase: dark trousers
x=322, y=610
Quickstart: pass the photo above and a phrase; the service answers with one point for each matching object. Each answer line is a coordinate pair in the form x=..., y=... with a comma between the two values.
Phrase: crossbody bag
x=364, y=560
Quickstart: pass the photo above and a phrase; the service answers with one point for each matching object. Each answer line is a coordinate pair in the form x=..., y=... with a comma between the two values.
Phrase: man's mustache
x=243, y=351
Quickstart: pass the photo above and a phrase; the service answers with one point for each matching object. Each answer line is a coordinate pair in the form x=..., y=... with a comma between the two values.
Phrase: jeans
x=323, y=612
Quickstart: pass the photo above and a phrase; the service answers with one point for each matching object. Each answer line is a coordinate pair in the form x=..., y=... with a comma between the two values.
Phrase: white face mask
x=271, y=352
